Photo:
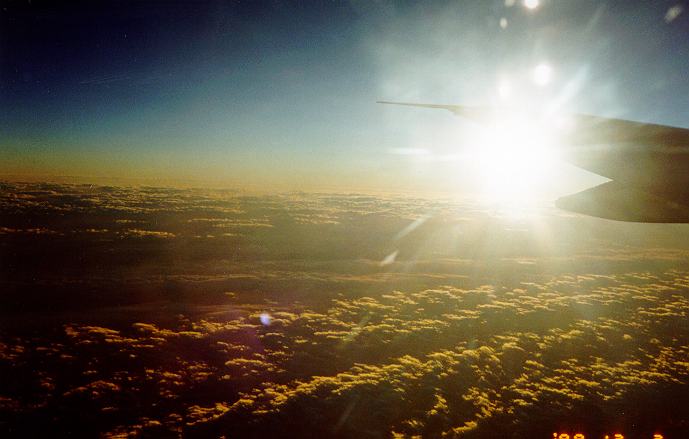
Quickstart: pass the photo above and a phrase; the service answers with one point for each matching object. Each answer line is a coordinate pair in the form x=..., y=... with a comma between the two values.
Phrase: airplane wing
x=647, y=163
x=616, y=201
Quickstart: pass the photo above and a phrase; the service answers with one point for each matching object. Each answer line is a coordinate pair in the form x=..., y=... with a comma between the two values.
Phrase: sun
x=515, y=156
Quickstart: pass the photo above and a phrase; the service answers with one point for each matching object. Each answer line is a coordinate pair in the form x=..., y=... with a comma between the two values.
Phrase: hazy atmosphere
x=209, y=227
x=282, y=94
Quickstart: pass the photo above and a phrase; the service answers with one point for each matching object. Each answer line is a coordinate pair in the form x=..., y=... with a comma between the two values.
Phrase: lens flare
x=542, y=74
x=532, y=4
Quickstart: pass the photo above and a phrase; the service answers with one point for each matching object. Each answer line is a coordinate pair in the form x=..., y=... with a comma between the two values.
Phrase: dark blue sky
x=255, y=89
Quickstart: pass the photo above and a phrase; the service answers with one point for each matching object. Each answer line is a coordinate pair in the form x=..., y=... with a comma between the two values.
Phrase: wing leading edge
x=475, y=113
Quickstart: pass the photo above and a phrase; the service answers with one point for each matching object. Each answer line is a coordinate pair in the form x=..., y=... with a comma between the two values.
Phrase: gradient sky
x=282, y=94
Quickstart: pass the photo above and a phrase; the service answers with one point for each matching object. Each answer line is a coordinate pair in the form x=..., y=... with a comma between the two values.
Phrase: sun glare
x=515, y=157
x=504, y=89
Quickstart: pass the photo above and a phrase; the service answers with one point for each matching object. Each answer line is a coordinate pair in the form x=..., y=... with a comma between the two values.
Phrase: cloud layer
x=198, y=313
